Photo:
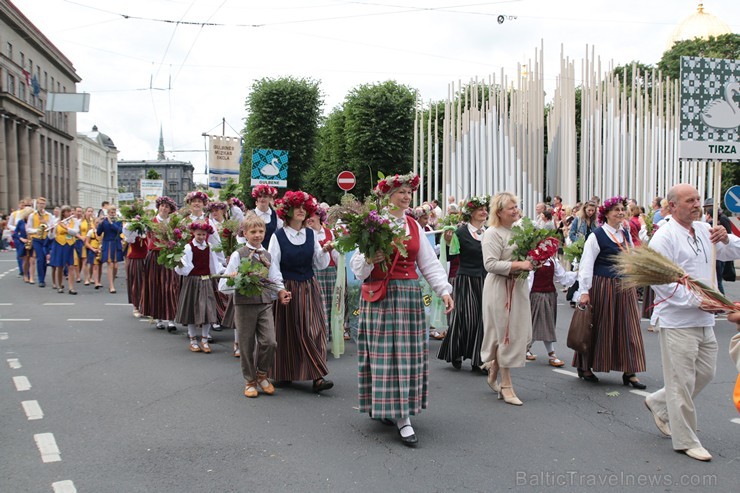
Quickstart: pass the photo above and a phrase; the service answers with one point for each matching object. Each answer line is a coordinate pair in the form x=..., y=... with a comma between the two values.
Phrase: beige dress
x=496, y=288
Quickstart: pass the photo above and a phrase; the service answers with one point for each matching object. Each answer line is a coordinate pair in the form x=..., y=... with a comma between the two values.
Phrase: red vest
x=405, y=268
x=138, y=248
x=201, y=261
x=543, y=277
x=327, y=238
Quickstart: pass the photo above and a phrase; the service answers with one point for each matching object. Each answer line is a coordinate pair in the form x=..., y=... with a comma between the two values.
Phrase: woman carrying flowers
x=465, y=335
x=326, y=278
x=300, y=326
x=392, y=347
x=135, y=230
x=263, y=196
x=616, y=341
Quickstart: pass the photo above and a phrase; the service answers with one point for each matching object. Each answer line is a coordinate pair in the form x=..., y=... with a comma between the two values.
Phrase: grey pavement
x=132, y=410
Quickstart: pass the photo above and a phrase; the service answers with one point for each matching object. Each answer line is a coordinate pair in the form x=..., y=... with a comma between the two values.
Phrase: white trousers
x=689, y=361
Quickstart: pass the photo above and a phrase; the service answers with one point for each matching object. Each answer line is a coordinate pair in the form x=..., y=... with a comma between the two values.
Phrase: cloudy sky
x=188, y=64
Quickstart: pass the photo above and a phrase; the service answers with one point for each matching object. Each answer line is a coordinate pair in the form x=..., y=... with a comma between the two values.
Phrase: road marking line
x=565, y=372
x=84, y=320
x=58, y=304
x=64, y=487
x=15, y=319
x=6, y=304
x=3, y=336
x=21, y=383
x=13, y=363
x=640, y=392
x=118, y=304
x=48, y=447
x=735, y=420
x=32, y=409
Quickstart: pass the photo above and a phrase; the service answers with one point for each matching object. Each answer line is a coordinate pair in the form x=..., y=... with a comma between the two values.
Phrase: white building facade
x=98, y=169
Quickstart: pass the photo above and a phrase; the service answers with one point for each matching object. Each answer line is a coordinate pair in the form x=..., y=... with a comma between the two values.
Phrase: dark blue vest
x=296, y=261
x=605, y=263
x=270, y=228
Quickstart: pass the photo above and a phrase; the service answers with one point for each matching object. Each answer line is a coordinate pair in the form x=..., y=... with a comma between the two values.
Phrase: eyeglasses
x=697, y=246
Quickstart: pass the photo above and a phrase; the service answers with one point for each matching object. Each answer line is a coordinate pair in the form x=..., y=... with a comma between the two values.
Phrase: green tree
x=153, y=175
x=283, y=114
x=378, y=130
x=724, y=46
x=331, y=159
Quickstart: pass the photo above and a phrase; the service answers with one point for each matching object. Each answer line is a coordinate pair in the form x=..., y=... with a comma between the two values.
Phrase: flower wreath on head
x=321, y=213
x=237, y=203
x=390, y=184
x=166, y=200
x=197, y=194
x=201, y=226
x=216, y=206
x=292, y=199
x=474, y=203
x=264, y=190
x=608, y=205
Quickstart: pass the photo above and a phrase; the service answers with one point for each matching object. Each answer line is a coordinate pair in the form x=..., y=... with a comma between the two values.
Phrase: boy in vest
x=253, y=315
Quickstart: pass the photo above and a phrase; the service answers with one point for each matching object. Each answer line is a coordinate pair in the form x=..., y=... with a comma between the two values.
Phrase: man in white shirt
x=687, y=343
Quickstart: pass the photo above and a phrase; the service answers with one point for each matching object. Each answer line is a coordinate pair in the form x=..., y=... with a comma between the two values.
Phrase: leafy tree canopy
x=153, y=175
x=724, y=46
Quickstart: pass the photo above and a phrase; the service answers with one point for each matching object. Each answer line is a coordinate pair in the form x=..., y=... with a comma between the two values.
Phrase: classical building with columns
x=98, y=169
x=37, y=148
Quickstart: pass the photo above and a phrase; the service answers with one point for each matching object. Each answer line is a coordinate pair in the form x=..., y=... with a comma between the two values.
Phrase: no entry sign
x=346, y=180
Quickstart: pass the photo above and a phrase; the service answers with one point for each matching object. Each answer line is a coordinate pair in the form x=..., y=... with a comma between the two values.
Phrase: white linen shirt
x=591, y=250
x=297, y=238
x=678, y=307
x=233, y=266
x=426, y=261
x=187, y=260
x=267, y=217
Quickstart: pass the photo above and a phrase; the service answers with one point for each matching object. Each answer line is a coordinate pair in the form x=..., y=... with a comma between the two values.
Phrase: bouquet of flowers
x=171, y=237
x=453, y=219
x=533, y=244
x=251, y=278
x=574, y=251
x=228, y=233
x=137, y=217
x=137, y=208
x=369, y=232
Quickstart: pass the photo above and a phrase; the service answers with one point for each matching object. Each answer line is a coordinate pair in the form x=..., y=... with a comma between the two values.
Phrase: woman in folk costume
x=507, y=316
x=616, y=338
x=465, y=335
x=112, y=253
x=392, y=347
x=197, y=304
x=263, y=196
x=87, y=223
x=300, y=327
x=161, y=290
x=135, y=266
x=327, y=278
x=63, y=250
x=23, y=246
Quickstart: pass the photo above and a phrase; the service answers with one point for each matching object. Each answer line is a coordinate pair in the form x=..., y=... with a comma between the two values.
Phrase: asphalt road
x=130, y=409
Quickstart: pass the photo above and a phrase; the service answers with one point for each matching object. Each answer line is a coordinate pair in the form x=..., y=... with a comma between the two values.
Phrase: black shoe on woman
x=588, y=378
x=627, y=380
x=457, y=364
x=322, y=384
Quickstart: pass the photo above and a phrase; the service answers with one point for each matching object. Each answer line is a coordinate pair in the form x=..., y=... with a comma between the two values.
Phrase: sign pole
x=715, y=215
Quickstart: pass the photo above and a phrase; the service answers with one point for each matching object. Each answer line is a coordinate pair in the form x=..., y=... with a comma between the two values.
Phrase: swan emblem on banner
x=723, y=113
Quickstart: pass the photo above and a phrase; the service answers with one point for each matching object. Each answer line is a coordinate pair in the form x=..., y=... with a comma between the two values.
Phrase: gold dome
x=699, y=25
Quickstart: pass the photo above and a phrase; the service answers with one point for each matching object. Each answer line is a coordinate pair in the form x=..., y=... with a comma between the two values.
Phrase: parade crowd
x=493, y=306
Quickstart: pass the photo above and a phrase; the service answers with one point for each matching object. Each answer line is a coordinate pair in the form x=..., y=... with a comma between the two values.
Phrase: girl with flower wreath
x=264, y=196
x=616, y=340
x=326, y=278
x=161, y=290
x=135, y=266
x=197, y=304
x=392, y=347
x=465, y=335
x=300, y=326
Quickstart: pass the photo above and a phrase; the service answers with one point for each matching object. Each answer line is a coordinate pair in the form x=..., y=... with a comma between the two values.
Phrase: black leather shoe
x=282, y=383
x=457, y=364
x=322, y=384
x=409, y=441
x=216, y=327
x=588, y=378
x=627, y=380
x=42, y=284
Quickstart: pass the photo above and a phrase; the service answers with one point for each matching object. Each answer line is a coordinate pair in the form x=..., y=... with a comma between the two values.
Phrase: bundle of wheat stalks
x=643, y=266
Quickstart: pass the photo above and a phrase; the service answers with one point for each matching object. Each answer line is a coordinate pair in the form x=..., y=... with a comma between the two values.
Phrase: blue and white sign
x=270, y=167
x=732, y=199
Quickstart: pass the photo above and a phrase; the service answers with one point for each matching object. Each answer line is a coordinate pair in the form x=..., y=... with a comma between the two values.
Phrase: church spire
x=160, y=155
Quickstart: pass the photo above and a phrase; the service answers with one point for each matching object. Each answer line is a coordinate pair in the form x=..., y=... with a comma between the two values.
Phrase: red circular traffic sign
x=346, y=180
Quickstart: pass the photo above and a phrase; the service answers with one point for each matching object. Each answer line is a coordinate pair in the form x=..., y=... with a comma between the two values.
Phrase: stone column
x=24, y=162
x=35, y=143
x=5, y=205
x=11, y=141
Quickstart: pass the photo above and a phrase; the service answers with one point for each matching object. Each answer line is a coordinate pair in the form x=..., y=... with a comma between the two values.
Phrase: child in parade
x=263, y=196
x=197, y=305
x=63, y=250
x=253, y=315
x=327, y=278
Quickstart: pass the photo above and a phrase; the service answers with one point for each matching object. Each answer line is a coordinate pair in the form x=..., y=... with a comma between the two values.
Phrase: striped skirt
x=300, y=331
x=544, y=315
x=197, y=303
x=135, y=276
x=393, y=353
x=228, y=318
x=616, y=342
x=161, y=291
x=648, y=299
x=465, y=334
x=327, y=278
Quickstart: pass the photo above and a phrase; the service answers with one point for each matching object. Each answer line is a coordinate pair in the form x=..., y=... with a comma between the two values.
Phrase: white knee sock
x=405, y=432
x=191, y=330
x=549, y=346
x=205, y=331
